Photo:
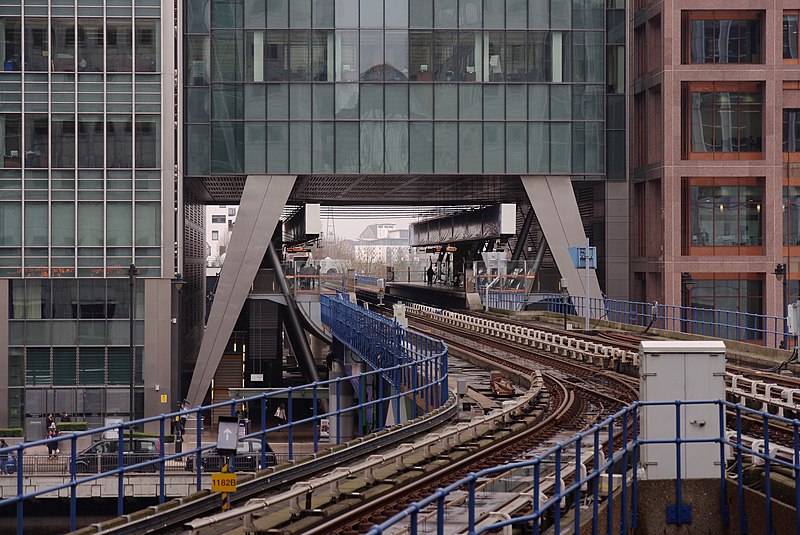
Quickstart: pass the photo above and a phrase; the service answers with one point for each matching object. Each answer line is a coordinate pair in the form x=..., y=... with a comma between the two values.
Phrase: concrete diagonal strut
x=553, y=200
x=262, y=203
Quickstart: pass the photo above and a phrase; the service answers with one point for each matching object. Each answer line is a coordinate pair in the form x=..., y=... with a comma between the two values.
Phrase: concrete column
x=157, y=368
x=3, y=352
x=263, y=200
x=557, y=212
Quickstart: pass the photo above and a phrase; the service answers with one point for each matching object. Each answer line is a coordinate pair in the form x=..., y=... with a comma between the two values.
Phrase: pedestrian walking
x=49, y=421
x=280, y=414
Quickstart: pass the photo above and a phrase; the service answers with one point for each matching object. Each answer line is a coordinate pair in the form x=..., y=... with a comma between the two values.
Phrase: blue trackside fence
x=727, y=324
x=411, y=359
x=607, y=450
x=415, y=362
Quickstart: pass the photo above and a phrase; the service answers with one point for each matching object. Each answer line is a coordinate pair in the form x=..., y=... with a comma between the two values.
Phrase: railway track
x=579, y=397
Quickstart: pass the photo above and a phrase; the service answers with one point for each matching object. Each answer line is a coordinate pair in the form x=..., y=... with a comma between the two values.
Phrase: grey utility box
x=670, y=371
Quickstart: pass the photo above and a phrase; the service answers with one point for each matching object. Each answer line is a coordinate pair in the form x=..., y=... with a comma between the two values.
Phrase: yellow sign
x=163, y=398
x=223, y=482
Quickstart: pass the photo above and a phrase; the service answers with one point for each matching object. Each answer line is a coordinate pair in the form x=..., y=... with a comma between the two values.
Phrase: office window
x=36, y=48
x=119, y=141
x=218, y=219
x=119, y=45
x=720, y=297
x=11, y=139
x=721, y=37
x=791, y=215
x=90, y=45
x=723, y=120
x=63, y=145
x=37, y=139
x=790, y=24
x=148, y=141
x=148, y=45
x=63, y=45
x=791, y=130
x=723, y=216
x=215, y=235
x=11, y=37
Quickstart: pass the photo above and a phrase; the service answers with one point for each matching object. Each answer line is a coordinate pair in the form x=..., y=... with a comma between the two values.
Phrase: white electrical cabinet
x=670, y=371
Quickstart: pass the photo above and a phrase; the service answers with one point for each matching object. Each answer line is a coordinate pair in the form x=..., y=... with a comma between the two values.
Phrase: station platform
x=436, y=295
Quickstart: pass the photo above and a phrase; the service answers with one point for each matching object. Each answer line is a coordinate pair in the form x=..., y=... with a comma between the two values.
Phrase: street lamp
x=132, y=273
x=780, y=275
x=562, y=284
x=687, y=283
x=177, y=426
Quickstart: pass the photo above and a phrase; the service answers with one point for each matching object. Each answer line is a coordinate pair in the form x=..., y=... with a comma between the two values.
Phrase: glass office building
x=443, y=87
x=86, y=189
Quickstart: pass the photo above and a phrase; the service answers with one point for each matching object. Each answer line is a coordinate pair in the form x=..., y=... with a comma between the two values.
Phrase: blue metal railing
x=726, y=324
x=415, y=358
x=415, y=362
x=596, y=449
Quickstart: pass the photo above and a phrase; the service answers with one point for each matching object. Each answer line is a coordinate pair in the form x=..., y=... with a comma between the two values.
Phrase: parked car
x=248, y=457
x=106, y=452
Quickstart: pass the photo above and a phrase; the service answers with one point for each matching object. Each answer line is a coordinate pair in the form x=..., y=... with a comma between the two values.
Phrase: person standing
x=65, y=417
x=50, y=421
x=3, y=458
x=430, y=274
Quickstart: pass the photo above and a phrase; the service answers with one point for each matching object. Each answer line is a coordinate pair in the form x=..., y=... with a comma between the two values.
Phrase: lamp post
x=687, y=283
x=177, y=283
x=564, y=299
x=780, y=275
x=132, y=273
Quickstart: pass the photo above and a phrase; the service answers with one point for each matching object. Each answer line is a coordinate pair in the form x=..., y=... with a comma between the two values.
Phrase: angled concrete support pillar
x=557, y=212
x=263, y=200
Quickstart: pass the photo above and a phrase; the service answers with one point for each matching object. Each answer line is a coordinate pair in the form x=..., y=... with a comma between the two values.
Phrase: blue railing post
x=291, y=422
x=796, y=427
x=199, y=459
x=767, y=481
x=610, y=499
x=596, y=483
x=577, y=493
x=162, y=465
x=20, y=489
x=73, y=489
x=264, y=431
x=338, y=411
x=739, y=470
x=315, y=422
x=471, y=512
x=120, y=467
x=624, y=498
x=678, y=467
x=722, y=468
x=536, y=491
x=440, y=512
x=635, y=476
x=557, y=492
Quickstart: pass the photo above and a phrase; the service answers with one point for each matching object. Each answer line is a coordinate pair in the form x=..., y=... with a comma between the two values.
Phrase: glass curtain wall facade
x=398, y=87
x=80, y=197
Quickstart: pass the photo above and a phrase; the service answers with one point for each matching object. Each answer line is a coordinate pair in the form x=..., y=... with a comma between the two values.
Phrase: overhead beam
x=259, y=212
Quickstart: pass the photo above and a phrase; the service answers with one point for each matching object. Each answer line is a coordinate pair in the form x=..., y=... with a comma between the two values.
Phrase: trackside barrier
x=619, y=468
x=382, y=343
x=416, y=362
x=298, y=496
x=726, y=324
x=575, y=348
